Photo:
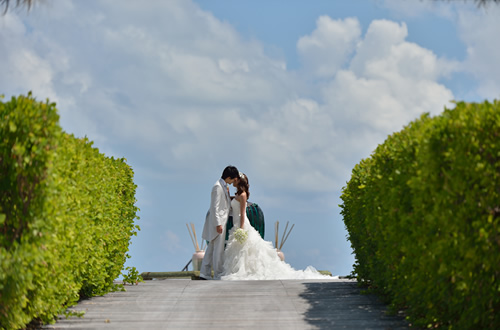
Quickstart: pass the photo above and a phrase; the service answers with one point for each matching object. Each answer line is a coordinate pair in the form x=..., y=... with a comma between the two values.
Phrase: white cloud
x=186, y=89
x=297, y=139
x=391, y=81
x=477, y=27
x=479, y=30
x=388, y=83
x=329, y=46
x=22, y=68
x=378, y=43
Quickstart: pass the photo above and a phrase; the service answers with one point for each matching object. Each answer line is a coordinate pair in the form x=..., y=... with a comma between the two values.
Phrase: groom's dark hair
x=230, y=172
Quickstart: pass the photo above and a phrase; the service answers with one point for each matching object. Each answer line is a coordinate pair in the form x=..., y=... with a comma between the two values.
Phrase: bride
x=248, y=256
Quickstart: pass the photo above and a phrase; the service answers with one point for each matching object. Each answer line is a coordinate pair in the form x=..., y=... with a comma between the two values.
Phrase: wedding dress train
x=257, y=259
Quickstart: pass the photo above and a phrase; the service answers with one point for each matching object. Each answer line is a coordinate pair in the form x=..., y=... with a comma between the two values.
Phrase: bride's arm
x=243, y=208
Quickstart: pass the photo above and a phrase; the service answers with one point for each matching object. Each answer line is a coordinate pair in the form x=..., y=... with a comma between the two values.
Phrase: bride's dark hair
x=243, y=185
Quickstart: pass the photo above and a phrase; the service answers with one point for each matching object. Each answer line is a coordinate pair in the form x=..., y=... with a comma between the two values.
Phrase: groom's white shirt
x=218, y=212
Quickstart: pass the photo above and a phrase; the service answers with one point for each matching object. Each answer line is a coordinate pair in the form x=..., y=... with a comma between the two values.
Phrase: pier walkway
x=189, y=304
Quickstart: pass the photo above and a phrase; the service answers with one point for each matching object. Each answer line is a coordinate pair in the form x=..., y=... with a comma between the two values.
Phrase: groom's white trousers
x=214, y=258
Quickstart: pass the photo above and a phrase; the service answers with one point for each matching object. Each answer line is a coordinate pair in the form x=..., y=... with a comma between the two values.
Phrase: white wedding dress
x=257, y=259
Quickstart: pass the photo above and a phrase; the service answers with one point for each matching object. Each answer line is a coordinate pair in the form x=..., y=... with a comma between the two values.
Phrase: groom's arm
x=217, y=195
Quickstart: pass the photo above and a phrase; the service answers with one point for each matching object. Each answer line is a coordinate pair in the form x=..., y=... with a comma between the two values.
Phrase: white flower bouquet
x=241, y=235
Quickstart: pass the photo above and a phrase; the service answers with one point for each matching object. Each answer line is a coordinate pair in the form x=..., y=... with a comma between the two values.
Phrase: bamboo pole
x=276, y=231
x=284, y=232
x=283, y=242
x=197, y=247
x=192, y=240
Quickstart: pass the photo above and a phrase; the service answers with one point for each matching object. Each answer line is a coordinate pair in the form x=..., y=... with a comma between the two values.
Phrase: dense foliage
x=66, y=215
x=423, y=218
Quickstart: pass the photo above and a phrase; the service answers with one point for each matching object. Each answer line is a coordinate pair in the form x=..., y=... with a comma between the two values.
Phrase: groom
x=215, y=224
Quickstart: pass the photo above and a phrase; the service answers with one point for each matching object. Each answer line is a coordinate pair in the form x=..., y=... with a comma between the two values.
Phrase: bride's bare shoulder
x=241, y=197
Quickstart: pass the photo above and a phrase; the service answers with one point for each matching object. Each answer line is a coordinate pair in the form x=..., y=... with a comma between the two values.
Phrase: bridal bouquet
x=241, y=235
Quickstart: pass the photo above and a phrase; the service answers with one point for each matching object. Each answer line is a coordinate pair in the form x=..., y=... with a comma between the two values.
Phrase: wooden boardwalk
x=188, y=304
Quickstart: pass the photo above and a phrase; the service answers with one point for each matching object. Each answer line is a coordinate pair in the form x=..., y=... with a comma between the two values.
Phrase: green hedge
x=66, y=215
x=423, y=218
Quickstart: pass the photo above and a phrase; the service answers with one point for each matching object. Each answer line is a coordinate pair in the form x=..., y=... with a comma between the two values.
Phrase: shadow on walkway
x=342, y=305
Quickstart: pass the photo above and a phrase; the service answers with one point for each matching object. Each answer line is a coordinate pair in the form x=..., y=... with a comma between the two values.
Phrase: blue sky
x=293, y=93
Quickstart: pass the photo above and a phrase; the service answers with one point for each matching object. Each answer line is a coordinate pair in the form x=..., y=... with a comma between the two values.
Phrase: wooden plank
x=186, y=304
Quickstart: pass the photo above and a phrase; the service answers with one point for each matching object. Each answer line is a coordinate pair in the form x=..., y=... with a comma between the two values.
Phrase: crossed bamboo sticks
x=283, y=238
x=277, y=244
x=194, y=239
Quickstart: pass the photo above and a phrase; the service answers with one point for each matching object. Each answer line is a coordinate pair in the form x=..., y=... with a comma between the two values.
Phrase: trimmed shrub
x=423, y=213
x=66, y=215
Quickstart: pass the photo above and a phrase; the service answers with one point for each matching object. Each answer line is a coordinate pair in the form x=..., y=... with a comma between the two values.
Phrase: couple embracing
x=214, y=230
x=247, y=256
